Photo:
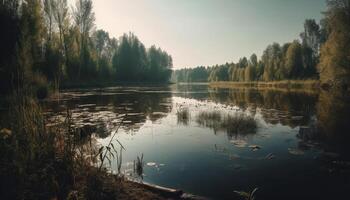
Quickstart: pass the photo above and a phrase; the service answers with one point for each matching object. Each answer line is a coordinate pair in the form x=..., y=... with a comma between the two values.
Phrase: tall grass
x=138, y=166
x=183, y=115
x=239, y=124
x=210, y=119
x=233, y=124
x=39, y=162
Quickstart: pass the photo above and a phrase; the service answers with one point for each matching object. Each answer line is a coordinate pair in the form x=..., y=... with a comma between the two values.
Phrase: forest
x=321, y=53
x=47, y=44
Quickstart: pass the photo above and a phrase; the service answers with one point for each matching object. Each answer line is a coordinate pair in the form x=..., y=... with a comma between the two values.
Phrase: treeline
x=322, y=52
x=46, y=42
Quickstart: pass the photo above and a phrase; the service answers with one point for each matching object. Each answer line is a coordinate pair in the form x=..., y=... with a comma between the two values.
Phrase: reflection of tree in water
x=198, y=92
x=288, y=108
x=104, y=110
x=331, y=129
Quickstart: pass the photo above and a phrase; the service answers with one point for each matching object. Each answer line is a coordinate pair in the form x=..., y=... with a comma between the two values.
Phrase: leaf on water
x=270, y=156
x=254, y=147
x=242, y=193
x=239, y=143
x=296, y=152
x=234, y=156
x=151, y=164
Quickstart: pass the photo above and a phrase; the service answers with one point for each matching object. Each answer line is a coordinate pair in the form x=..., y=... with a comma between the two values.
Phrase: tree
x=84, y=18
x=272, y=60
x=334, y=66
x=9, y=39
x=293, y=63
x=311, y=36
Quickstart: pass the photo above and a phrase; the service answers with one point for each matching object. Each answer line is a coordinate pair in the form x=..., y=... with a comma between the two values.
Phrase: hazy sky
x=207, y=32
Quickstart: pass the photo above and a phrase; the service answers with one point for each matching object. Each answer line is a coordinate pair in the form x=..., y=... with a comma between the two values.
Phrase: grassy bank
x=288, y=85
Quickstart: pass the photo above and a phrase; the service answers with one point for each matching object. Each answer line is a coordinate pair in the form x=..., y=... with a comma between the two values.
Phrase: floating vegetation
x=239, y=143
x=151, y=164
x=183, y=115
x=270, y=156
x=254, y=147
x=155, y=165
x=296, y=152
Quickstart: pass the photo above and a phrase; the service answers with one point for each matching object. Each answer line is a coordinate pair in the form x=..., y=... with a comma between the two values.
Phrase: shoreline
x=65, y=86
x=295, y=84
x=308, y=86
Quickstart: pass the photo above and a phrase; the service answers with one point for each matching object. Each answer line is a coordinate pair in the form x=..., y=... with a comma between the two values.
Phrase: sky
x=207, y=32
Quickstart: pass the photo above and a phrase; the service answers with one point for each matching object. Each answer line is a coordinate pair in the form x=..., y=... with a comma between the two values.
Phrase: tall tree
x=84, y=18
x=311, y=36
x=293, y=63
x=9, y=38
x=334, y=66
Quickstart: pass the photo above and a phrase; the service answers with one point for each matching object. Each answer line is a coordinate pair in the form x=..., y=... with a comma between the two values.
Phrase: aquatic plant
x=183, y=115
x=138, y=166
x=108, y=152
x=247, y=195
x=238, y=124
x=209, y=119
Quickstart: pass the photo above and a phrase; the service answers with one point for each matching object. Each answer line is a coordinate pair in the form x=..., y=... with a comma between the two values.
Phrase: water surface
x=298, y=151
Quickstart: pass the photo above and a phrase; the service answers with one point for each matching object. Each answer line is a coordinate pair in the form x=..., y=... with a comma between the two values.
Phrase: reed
x=233, y=124
x=183, y=115
x=40, y=162
x=138, y=166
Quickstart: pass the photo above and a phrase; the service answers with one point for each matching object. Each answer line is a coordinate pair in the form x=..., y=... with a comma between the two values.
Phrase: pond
x=294, y=145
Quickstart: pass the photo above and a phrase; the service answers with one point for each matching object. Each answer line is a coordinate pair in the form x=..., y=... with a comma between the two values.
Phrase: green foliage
x=289, y=61
x=293, y=61
x=31, y=152
x=133, y=63
x=334, y=66
x=45, y=37
x=9, y=36
x=198, y=74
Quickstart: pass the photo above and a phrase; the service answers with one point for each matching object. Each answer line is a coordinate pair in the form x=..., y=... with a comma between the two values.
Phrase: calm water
x=300, y=149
